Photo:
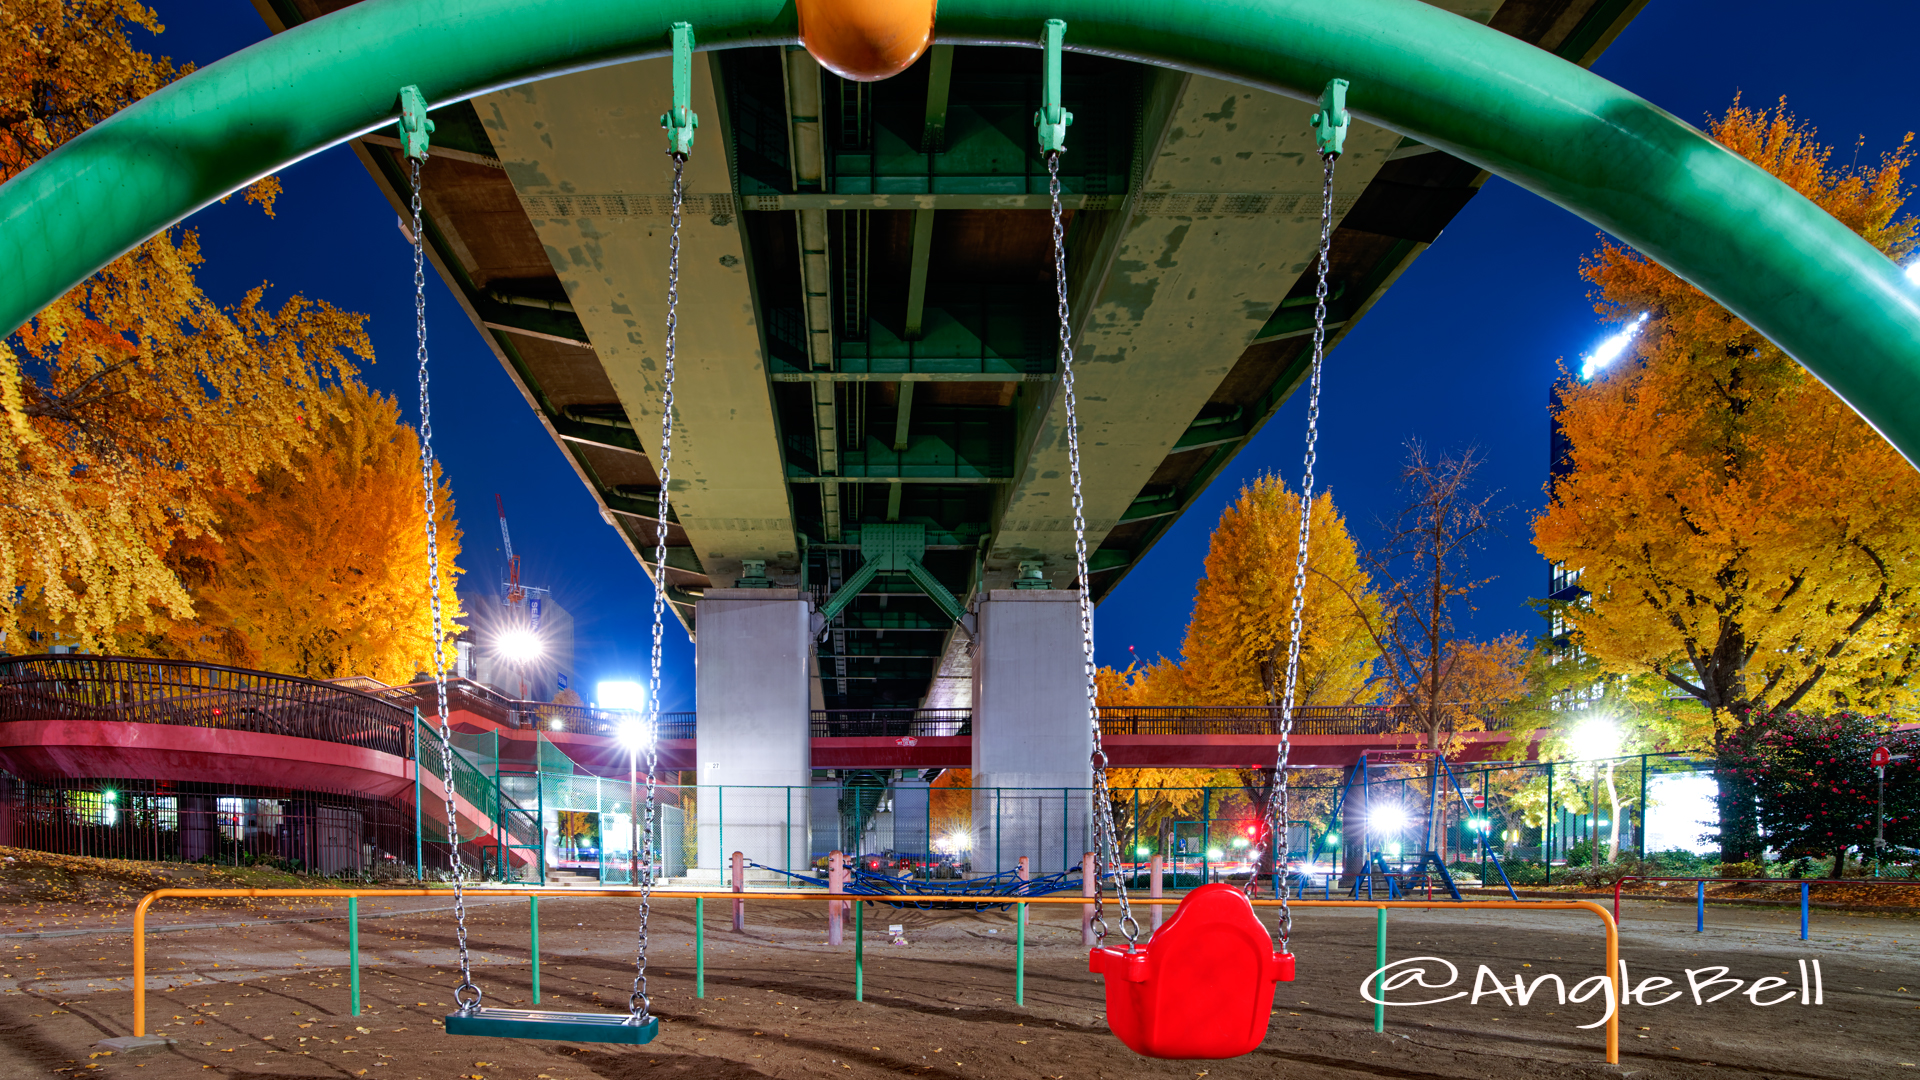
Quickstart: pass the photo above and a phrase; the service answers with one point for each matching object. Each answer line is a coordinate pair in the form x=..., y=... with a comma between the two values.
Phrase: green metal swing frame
x=1753, y=244
x=1756, y=246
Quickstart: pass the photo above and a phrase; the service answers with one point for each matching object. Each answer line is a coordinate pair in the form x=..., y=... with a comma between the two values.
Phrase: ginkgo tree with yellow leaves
x=1235, y=650
x=1746, y=538
x=320, y=570
x=1236, y=645
x=180, y=476
x=132, y=399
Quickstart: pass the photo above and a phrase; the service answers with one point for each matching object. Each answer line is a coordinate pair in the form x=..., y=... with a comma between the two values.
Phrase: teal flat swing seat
x=540, y=1024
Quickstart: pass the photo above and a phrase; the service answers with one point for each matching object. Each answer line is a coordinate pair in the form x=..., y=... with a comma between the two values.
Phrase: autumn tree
x=320, y=569
x=1235, y=650
x=1424, y=573
x=131, y=401
x=1746, y=537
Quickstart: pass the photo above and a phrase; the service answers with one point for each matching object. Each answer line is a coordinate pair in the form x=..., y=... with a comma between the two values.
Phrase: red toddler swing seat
x=1203, y=985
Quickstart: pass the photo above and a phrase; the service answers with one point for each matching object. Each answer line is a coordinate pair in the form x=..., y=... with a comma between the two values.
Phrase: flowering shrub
x=1816, y=791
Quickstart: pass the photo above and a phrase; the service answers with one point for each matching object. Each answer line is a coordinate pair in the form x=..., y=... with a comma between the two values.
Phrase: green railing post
x=859, y=951
x=699, y=946
x=1379, y=961
x=533, y=927
x=997, y=864
x=1546, y=828
x=353, y=952
x=1642, y=836
x=788, y=846
x=419, y=861
x=722, y=823
x=1020, y=954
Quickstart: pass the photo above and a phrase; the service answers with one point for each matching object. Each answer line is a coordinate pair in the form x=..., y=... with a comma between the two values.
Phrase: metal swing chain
x=638, y=1003
x=466, y=987
x=1106, y=838
x=1278, y=802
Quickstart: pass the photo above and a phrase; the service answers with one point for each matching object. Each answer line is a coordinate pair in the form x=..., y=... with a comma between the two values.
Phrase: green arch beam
x=1759, y=248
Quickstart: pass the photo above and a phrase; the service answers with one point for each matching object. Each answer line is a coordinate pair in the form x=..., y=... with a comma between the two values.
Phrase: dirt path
x=269, y=999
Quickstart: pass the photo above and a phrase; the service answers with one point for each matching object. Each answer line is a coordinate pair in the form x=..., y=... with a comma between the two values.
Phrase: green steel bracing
x=1765, y=252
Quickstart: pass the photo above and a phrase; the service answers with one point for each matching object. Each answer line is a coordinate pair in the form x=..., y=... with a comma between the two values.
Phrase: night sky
x=1460, y=352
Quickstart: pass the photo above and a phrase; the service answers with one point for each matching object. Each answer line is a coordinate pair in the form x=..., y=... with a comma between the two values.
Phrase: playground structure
x=1609, y=969
x=1561, y=132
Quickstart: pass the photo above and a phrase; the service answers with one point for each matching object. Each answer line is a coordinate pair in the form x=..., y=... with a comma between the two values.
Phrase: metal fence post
x=836, y=883
x=859, y=951
x=1379, y=962
x=354, y=952
x=738, y=879
x=1804, y=888
x=699, y=946
x=1025, y=874
x=1645, y=798
x=1546, y=828
x=1020, y=955
x=419, y=858
x=1156, y=888
x=1089, y=887
x=1700, y=906
x=533, y=950
x=1066, y=825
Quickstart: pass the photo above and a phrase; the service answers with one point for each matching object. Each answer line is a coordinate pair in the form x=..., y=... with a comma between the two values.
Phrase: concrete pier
x=1032, y=744
x=754, y=753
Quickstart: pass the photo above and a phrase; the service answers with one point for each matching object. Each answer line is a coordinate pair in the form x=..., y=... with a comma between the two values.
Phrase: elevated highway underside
x=866, y=306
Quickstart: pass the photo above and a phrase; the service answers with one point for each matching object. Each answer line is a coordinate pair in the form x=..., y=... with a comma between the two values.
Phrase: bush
x=1741, y=869
x=1679, y=862
x=1525, y=872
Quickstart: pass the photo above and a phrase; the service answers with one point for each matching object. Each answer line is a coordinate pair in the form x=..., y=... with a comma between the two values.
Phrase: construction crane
x=515, y=593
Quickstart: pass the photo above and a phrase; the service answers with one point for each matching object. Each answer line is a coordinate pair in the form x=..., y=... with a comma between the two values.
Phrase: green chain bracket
x=681, y=121
x=414, y=125
x=1330, y=123
x=1053, y=118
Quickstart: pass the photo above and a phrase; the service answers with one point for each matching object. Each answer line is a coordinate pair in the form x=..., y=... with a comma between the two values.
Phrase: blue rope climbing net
x=993, y=892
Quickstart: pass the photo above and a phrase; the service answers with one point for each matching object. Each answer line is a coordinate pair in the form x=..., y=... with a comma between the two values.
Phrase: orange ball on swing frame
x=866, y=40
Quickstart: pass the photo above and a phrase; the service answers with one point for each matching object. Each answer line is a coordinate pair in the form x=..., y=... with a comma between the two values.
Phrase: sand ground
x=262, y=993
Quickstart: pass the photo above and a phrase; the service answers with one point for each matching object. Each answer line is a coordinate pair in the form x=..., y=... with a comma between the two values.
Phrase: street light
x=634, y=733
x=519, y=644
x=620, y=694
x=1597, y=739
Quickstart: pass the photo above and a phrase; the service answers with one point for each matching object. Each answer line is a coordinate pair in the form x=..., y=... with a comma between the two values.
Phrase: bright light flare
x=1595, y=739
x=620, y=694
x=1388, y=819
x=634, y=733
x=519, y=644
x=1913, y=271
x=1609, y=350
x=1214, y=854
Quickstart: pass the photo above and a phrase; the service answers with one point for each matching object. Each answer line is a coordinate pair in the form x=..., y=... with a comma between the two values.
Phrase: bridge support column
x=1031, y=743
x=751, y=737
